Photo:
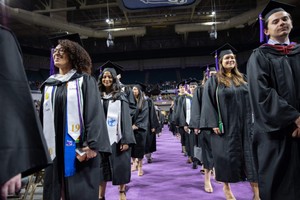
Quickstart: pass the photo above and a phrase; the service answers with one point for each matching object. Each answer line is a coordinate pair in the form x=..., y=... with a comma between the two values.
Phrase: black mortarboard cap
x=181, y=83
x=112, y=67
x=192, y=81
x=73, y=37
x=212, y=68
x=155, y=90
x=275, y=6
x=271, y=8
x=221, y=51
x=142, y=86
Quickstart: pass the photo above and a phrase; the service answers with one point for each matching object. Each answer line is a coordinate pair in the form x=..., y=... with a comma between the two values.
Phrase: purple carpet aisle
x=170, y=177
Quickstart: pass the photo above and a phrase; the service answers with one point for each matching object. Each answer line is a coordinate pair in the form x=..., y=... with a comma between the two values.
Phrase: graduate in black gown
x=273, y=73
x=74, y=125
x=23, y=147
x=226, y=100
x=140, y=127
x=116, y=167
x=184, y=120
x=153, y=126
x=180, y=132
x=171, y=123
x=203, y=137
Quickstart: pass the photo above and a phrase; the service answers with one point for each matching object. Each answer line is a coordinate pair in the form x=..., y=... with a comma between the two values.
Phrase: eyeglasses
x=60, y=51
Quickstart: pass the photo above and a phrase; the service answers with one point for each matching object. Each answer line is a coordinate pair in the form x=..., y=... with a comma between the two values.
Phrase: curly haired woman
x=74, y=126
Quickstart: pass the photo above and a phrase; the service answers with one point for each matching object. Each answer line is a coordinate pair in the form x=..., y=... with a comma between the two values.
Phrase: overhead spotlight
x=109, y=21
x=109, y=41
x=213, y=33
x=213, y=13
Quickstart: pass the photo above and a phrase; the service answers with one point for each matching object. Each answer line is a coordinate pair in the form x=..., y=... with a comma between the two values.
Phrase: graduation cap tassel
x=52, y=71
x=261, y=29
x=207, y=71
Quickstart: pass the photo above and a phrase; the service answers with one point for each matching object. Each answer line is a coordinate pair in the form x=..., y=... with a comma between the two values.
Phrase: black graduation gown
x=153, y=123
x=23, y=146
x=178, y=116
x=131, y=100
x=274, y=85
x=172, y=126
x=141, y=120
x=120, y=161
x=85, y=183
x=182, y=116
x=162, y=120
x=232, y=153
x=203, y=139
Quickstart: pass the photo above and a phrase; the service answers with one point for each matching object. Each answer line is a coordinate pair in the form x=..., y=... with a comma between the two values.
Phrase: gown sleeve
x=196, y=109
x=127, y=132
x=142, y=119
x=23, y=148
x=96, y=134
x=154, y=123
x=209, y=111
x=271, y=111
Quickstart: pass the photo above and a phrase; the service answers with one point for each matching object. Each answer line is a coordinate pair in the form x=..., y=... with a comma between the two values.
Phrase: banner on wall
x=148, y=4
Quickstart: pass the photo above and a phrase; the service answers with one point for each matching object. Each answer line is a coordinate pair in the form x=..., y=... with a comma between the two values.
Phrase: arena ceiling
x=183, y=29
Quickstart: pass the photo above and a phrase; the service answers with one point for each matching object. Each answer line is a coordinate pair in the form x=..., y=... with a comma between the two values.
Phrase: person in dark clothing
x=153, y=126
x=171, y=123
x=203, y=137
x=23, y=146
x=176, y=116
x=273, y=71
x=74, y=126
x=116, y=167
x=184, y=120
x=226, y=110
x=140, y=127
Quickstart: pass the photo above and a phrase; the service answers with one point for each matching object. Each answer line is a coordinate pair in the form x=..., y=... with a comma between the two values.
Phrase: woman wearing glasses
x=74, y=125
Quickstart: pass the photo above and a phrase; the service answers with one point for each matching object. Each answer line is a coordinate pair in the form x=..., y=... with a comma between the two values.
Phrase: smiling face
x=107, y=79
x=193, y=88
x=61, y=59
x=135, y=92
x=181, y=89
x=228, y=62
x=279, y=26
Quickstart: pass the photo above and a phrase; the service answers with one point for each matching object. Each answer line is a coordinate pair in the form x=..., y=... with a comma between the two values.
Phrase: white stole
x=188, y=110
x=48, y=119
x=74, y=108
x=74, y=113
x=113, y=121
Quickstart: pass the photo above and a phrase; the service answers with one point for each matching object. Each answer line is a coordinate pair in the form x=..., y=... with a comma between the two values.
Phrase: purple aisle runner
x=169, y=177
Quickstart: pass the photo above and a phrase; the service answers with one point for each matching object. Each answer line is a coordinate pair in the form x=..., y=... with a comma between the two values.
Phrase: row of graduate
x=106, y=117
x=81, y=131
x=249, y=128
x=90, y=130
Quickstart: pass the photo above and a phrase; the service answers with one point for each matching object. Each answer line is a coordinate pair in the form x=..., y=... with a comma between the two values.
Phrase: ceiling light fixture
x=110, y=22
x=213, y=33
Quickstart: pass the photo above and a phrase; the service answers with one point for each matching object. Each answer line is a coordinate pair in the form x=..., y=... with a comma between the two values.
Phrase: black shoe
x=149, y=160
x=195, y=165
